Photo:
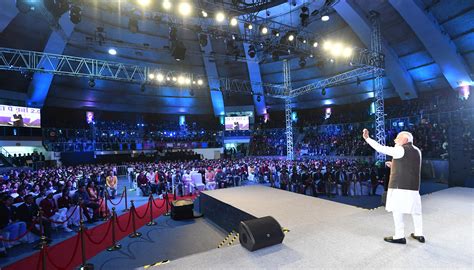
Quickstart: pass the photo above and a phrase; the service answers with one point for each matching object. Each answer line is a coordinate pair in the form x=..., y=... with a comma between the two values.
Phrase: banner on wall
x=16, y=116
x=237, y=123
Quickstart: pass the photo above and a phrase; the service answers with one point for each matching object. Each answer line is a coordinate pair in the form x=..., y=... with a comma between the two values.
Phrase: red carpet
x=67, y=254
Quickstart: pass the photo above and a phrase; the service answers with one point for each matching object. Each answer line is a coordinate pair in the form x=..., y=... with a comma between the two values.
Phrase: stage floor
x=325, y=234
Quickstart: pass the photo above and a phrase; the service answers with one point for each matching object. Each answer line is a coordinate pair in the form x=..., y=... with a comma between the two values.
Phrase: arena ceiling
x=418, y=65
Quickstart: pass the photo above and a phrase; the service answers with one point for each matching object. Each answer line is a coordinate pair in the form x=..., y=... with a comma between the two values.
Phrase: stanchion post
x=134, y=234
x=126, y=200
x=106, y=198
x=43, y=242
x=115, y=246
x=167, y=206
x=84, y=265
x=150, y=201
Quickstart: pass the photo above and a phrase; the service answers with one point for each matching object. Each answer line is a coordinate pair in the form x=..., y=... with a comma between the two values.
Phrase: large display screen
x=237, y=123
x=15, y=116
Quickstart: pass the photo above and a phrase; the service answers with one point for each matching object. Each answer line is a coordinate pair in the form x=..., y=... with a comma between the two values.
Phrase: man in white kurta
x=403, y=195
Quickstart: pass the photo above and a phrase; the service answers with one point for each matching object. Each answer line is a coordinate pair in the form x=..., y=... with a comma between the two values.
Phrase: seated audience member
x=111, y=182
x=53, y=213
x=143, y=184
x=10, y=227
x=82, y=195
x=28, y=213
x=65, y=202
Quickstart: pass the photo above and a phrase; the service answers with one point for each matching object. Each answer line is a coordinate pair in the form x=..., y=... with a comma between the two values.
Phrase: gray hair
x=408, y=135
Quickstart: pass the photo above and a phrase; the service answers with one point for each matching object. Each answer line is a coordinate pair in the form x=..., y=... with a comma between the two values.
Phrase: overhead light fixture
x=275, y=56
x=151, y=76
x=166, y=4
x=204, y=14
x=304, y=16
x=200, y=82
x=112, y=51
x=174, y=79
x=337, y=49
x=263, y=29
x=184, y=8
x=178, y=50
x=187, y=81
x=220, y=16
x=315, y=44
x=275, y=33
x=250, y=26
x=323, y=91
x=347, y=52
x=91, y=82
x=160, y=77
x=251, y=51
x=180, y=80
x=327, y=45
x=203, y=40
x=325, y=18
x=291, y=37
x=168, y=78
x=75, y=14
x=233, y=21
x=144, y=3
x=302, y=62
x=24, y=6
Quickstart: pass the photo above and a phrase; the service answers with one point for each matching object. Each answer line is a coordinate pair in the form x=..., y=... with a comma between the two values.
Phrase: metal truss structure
x=376, y=48
x=288, y=112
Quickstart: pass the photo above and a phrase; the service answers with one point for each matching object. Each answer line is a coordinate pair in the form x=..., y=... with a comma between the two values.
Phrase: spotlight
x=91, y=82
x=166, y=4
x=233, y=21
x=187, y=81
x=143, y=3
x=337, y=49
x=291, y=37
x=347, y=52
x=133, y=24
x=178, y=50
x=200, y=82
x=250, y=26
x=174, y=79
x=331, y=60
x=323, y=91
x=315, y=44
x=275, y=56
x=325, y=18
x=203, y=40
x=168, y=78
x=160, y=77
x=251, y=51
x=304, y=16
x=263, y=29
x=302, y=62
x=204, y=14
x=151, y=76
x=327, y=45
x=180, y=80
x=275, y=33
x=220, y=16
x=184, y=8
x=112, y=51
x=75, y=14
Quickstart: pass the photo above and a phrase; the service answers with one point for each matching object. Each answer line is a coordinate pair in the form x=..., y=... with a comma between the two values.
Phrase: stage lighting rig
x=263, y=29
x=233, y=21
x=75, y=14
x=91, y=82
x=220, y=16
x=166, y=4
x=304, y=16
x=185, y=8
x=56, y=7
x=252, y=51
x=203, y=40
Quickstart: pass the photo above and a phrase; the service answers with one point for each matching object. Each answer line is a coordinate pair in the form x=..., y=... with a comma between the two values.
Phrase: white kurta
x=398, y=200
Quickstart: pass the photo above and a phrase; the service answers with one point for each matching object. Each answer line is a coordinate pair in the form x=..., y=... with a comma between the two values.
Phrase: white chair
x=196, y=181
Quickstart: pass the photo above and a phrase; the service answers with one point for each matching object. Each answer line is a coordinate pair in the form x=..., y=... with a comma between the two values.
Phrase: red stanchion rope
x=128, y=223
x=101, y=240
x=76, y=246
x=144, y=214
x=20, y=236
x=67, y=219
x=121, y=198
x=40, y=258
x=157, y=205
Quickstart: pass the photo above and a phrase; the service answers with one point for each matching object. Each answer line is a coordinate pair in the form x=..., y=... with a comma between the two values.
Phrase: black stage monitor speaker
x=259, y=233
x=182, y=209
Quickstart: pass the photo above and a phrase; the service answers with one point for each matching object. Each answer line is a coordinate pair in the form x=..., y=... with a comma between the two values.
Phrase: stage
x=325, y=234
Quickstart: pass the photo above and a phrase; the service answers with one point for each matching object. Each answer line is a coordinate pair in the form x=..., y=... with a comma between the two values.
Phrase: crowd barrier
x=113, y=225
